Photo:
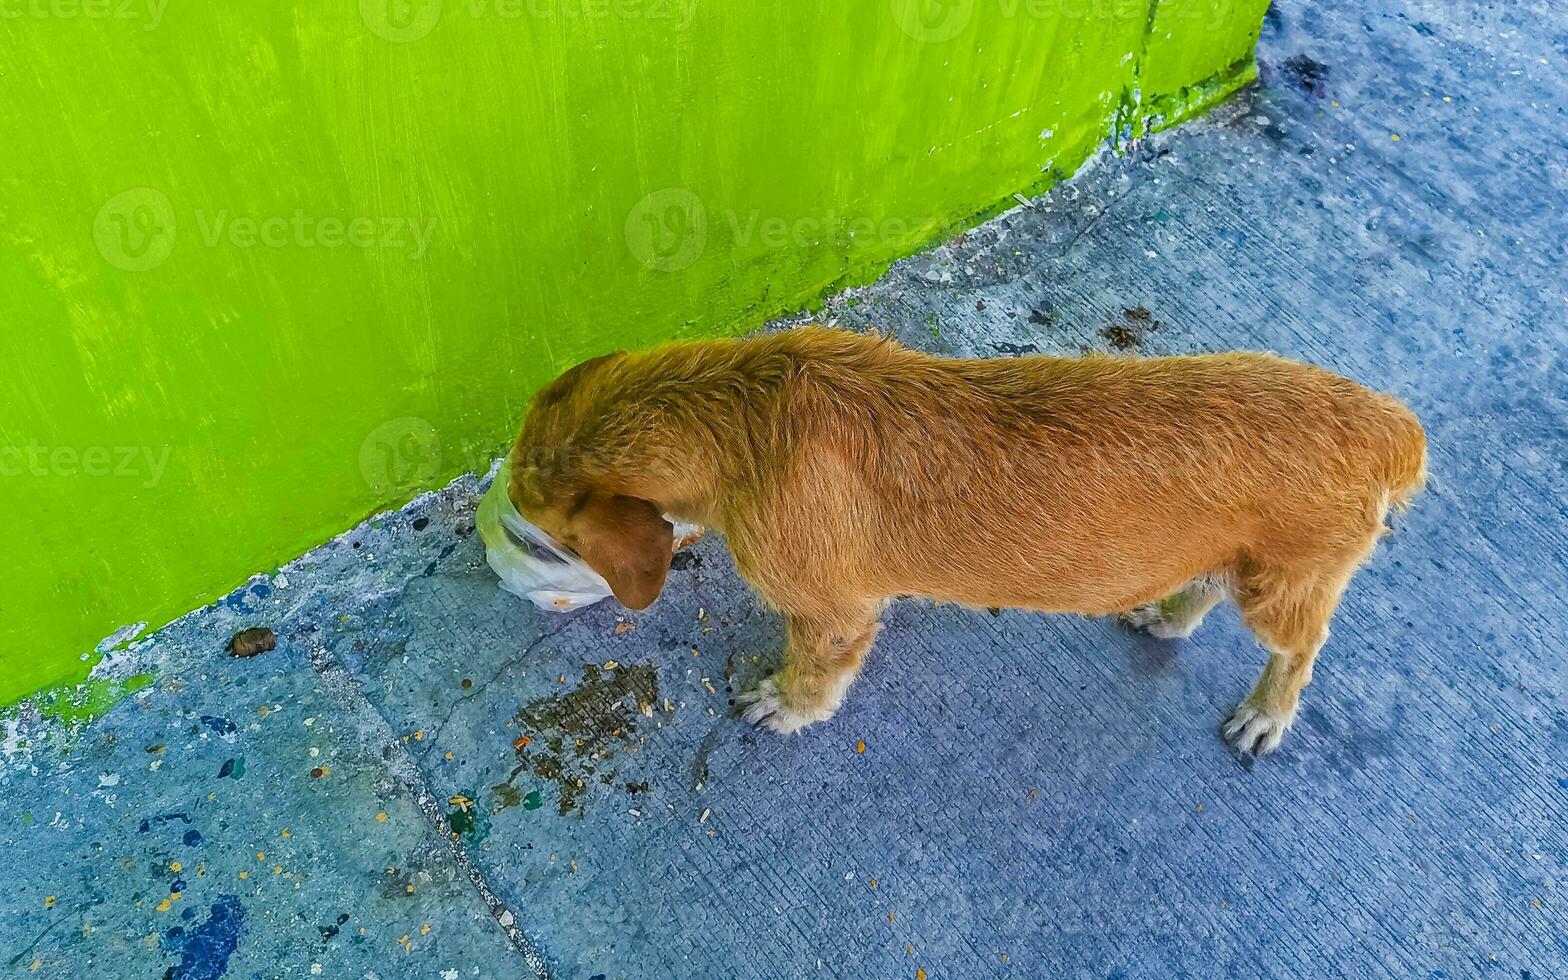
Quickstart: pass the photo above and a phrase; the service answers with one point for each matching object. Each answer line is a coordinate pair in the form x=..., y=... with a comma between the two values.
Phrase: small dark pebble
x=317, y=773
x=251, y=642
x=420, y=523
x=979, y=306
x=467, y=683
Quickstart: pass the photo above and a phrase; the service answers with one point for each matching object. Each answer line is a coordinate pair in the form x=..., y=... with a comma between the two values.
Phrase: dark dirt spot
x=1306, y=74
x=505, y=795
x=575, y=733
x=979, y=306
x=249, y=643
x=1137, y=322
x=331, y=929
x=699, y=764
x=1043, y=317
x=1015, y=350
x=686, y=559
x=420, y=523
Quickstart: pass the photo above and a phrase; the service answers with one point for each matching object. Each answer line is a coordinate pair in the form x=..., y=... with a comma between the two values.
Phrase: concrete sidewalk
x=429, y=778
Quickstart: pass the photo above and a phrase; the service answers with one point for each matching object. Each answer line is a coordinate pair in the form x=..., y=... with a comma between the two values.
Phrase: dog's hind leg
x=821, y=658
x=1178, y=614
x=1289, y=612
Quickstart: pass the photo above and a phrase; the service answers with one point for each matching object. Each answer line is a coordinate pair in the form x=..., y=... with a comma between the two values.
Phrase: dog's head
x=564, y=475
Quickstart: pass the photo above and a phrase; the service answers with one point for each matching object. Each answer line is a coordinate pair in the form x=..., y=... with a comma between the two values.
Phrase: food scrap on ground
x=252, y=642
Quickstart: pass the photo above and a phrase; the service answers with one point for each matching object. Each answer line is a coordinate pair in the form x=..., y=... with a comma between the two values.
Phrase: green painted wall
x=268, y=268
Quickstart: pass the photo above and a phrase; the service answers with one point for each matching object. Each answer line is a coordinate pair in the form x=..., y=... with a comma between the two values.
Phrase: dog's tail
x=1406, y=456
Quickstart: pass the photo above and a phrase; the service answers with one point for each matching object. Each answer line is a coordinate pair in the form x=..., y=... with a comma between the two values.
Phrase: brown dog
x=846, y=470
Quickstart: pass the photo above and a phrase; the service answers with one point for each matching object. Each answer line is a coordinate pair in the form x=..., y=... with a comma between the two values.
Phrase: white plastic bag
x=531, y=565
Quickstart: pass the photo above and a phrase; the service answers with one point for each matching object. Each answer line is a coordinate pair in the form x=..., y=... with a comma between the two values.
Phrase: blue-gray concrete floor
x=429, y=778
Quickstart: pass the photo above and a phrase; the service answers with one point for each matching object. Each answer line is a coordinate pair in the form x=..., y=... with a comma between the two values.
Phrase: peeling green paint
x=81, y=703
x=265, y=270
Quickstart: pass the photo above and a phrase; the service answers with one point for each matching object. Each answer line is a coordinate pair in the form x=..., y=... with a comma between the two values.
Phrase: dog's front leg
x=822, y=656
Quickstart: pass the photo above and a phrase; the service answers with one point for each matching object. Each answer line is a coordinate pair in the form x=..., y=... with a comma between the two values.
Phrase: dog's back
x=1085, y=485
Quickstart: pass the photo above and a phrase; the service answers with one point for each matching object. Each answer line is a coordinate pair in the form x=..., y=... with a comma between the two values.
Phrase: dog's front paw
x=764, y=707
x=1252, y=729
x=1150, y=618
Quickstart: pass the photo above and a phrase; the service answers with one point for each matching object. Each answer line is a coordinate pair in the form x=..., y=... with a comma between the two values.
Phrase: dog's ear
x=628, y=542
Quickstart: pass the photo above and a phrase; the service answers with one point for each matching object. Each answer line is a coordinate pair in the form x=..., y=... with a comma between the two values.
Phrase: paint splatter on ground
x=1038, y=796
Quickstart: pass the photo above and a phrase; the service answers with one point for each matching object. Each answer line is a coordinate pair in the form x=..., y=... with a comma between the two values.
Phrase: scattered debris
x=1306, y=74
x=252, y=642
x=573, y=732
x=691, y=538
x=1137, y=323
x=1015, y=350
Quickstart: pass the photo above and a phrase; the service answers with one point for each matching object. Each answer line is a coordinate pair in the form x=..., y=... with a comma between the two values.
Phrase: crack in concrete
x=479, y=689
x=401, y=765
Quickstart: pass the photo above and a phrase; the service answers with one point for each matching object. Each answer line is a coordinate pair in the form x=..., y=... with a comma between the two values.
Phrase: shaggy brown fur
x=846, y=470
